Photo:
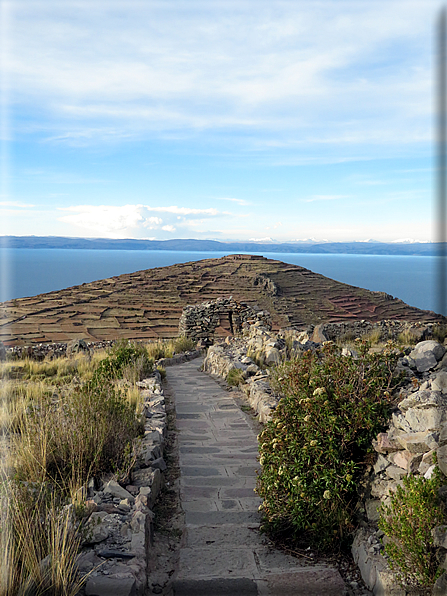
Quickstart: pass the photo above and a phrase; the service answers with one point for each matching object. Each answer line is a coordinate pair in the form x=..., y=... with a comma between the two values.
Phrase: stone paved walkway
x=222, y=550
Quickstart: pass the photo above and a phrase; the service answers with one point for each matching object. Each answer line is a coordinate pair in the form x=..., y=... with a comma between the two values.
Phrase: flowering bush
x=313, y=450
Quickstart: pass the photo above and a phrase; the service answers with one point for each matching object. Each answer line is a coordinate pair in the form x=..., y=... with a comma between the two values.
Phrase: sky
x=225, y=120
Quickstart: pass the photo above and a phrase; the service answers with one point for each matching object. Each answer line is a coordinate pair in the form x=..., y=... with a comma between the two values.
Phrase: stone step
x=304, y=582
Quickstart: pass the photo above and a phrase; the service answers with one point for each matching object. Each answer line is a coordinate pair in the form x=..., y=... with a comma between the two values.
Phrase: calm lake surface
x=27, y=272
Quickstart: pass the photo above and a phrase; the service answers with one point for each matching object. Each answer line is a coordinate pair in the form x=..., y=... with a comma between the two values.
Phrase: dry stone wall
x=416, y=436
x=385, y=330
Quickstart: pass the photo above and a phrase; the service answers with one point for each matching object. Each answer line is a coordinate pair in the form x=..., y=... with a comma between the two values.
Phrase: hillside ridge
x=147, y=304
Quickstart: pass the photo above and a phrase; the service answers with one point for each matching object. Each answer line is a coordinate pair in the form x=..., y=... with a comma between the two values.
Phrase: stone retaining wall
x=118, y=532
x=416, y=436
x=201, y=320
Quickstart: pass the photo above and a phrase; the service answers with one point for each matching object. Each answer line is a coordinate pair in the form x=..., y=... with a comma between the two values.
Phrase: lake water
x=27, y=272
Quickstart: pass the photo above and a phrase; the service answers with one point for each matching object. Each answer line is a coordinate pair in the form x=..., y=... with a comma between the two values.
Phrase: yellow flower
x=319, y=391
x=313, y=443
x=327, y=494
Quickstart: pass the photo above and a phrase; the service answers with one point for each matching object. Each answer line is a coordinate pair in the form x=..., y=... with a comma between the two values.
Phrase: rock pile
x=118, y=531
x=200, y=321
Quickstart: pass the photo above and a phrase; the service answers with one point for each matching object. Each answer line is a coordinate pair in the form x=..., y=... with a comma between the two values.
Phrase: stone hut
x=224, y=315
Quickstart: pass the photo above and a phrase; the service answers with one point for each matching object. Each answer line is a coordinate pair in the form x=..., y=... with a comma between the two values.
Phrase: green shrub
x=123, y=357
x=313, y=450
x=183, y=344
x=235, y=377
x=415, y=509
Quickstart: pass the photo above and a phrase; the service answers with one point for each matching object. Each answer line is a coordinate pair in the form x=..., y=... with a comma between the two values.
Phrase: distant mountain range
x=364, y=248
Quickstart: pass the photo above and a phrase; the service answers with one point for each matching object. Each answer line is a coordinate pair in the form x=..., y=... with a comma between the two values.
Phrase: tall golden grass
x=61, y=422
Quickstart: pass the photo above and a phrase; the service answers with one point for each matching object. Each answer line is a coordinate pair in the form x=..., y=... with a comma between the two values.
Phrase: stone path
x=222, y=552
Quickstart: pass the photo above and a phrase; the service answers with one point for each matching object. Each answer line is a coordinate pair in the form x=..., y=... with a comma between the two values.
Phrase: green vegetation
x=408, y=521
x=167, y=348
x=235, y=377
x=313, y=450
x=440, y=332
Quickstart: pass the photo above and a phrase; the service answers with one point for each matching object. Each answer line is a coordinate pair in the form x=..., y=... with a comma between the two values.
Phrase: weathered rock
x=440, y=587
x=159, y=464
x=273, y=356
x=439, y=382
x=428, y=419
x=112, y=487
x=381, y=464
x=426, y=355
x=318, y=335
x=406, y=460
x=97, y=528
x=372, y=507
x=374, y=568
x=395, y=473
x=442, y=459
x=440, y=536
x=419, y=442
x=386, y=444
x=423, y=399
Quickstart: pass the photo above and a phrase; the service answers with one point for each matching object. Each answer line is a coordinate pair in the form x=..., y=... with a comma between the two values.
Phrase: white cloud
x=183, y=210
x=15, y=204
x=321, y=71
x=238, y=201
x=106, y=219
x=133, y=220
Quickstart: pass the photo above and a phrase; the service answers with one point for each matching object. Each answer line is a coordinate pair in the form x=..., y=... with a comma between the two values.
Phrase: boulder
x=426, y=354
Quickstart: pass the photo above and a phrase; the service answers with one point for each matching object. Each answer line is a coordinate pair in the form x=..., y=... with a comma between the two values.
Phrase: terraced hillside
x=148, y=304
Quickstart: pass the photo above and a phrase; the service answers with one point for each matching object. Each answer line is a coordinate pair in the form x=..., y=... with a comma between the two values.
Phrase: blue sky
x=229, y=120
